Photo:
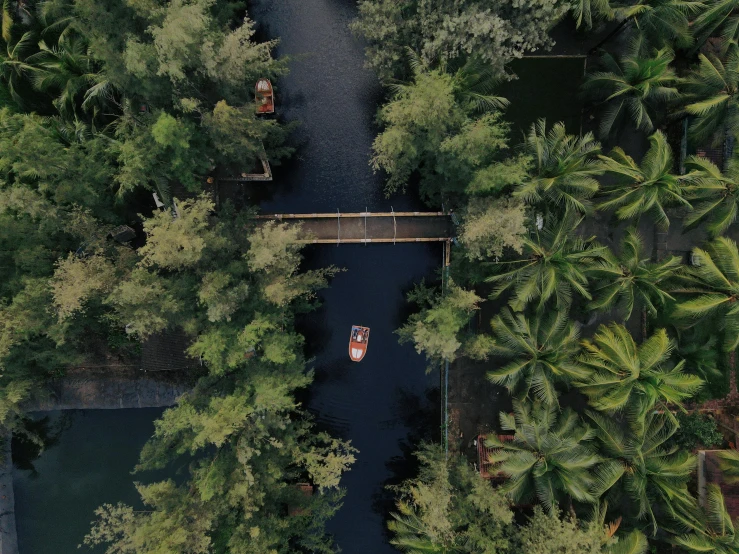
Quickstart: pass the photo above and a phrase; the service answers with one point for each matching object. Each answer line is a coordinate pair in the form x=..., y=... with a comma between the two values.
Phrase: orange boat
x=358, y=342
x=265, y=97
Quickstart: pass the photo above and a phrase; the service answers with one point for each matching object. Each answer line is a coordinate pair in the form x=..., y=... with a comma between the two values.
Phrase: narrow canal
x=380, y=401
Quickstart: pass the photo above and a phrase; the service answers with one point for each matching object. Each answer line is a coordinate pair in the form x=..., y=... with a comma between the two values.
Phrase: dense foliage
x=100, y=101
x=601, y=329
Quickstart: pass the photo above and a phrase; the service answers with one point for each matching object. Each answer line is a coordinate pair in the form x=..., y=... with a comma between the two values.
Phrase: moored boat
x=358, y=340
x=264, y=96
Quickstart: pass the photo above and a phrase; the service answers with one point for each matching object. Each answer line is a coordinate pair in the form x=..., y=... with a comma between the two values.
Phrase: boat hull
x=358, y=341
x=264, y=97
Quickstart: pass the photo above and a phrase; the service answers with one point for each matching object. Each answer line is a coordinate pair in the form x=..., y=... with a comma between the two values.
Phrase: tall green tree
x=563, y=169
x=634, y=86
x=446, y=30
x=449, y=508
x=649, y=187
x=437, y=330
x=556, y=265
x=629, y=278
x=541, y=350
x=710, y=289
x=434, y=131
x=550, y=458
x=633, y=378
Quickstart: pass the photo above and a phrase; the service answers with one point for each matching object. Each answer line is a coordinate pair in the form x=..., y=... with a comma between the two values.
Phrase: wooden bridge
x=369, y=227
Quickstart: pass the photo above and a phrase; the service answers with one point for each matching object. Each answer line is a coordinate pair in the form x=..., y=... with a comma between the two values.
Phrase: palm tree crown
x=719, y=18
x=729, y=463
x=641, y=465
x=549, y=458
x=633, y=378
x=542, y=351
x=556, y=263
x=586, y=12
x=713, y=90
x=564, y=167
x=662, y=22
x=14, y=67
x=630, y=278
x=646, y=188
x=713, y=530
x=712, y=286
x=633, y=86
x=66, y=71
x=716, y=195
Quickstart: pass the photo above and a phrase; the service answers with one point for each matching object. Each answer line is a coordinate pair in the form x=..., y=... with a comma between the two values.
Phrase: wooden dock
x=369, y=227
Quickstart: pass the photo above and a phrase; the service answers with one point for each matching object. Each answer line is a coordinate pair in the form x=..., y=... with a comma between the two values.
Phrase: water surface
x=87, y=462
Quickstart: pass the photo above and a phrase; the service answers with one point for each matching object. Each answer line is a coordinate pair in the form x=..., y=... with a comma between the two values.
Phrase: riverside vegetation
x=99, y=102
x=611, y=470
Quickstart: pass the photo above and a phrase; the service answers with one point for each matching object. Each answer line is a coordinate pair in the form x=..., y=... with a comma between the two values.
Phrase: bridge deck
x=367, y=227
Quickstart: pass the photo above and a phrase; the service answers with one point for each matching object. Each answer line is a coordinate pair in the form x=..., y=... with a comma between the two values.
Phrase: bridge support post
x=395, y=225
x=365, y=225
x=338, y=221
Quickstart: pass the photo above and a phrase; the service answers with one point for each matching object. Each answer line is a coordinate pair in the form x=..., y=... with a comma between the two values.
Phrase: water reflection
x=36, y=435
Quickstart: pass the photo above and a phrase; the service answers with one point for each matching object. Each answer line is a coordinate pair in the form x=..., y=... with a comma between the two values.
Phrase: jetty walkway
x=369, y=227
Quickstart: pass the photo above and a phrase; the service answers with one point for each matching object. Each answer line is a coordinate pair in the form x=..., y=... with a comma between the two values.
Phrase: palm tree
x=549, y=458
x=728, y=461
x=662, y=22
x=713, y=92
x=630, y=278
x=719, y=18
x=67, y=71
x=474, y=85
x=14, y=67
x=712, y=285
x=556, y=263
x=633, y=86
x=586, y=12
x=659, y=22
x=624, y=376
x=632, y=543
x=646, y=188
x=642, y=464
x=411, y=534
x=713, y=531
x=542, y=352
x=716, y=195
x=6, y=20
x=564, y=167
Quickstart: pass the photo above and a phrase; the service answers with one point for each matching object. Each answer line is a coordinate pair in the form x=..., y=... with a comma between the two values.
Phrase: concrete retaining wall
x=107, y=393
x=8, y=538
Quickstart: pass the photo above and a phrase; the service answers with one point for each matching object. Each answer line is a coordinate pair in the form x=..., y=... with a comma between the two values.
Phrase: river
x=378, y=403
